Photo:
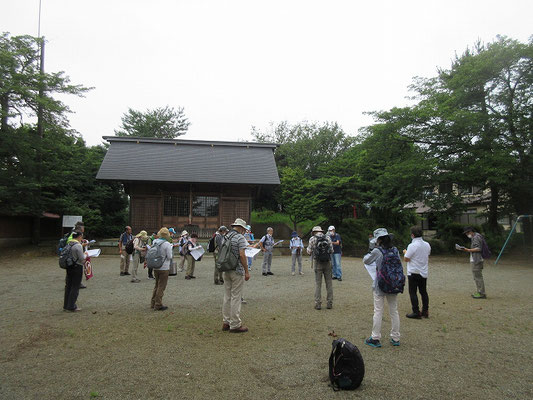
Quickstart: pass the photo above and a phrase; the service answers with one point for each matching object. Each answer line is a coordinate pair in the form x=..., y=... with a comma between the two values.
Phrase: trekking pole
x=509, y=236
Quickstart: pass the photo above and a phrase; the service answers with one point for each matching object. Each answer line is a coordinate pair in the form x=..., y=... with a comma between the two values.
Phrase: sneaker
x=329, y=306
x=394, y=342
x=241, y=329
x=425, y=314
x=373, y=342
x=127, y=273
x=122, y=274
x=163, y=308
x=333, y=277
x=243, y=301
x=293, y=273
x=318, y=307
x=82, y=286
x=301, y=273
x=478, y=295
x=222, y=281
x=187, y=277
x=264, y=274
x=414, y=315
x=269, y=273
x=339, y=279
x=151, y=277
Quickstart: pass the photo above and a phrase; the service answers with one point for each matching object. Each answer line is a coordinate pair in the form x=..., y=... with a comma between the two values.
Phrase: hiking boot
x=318, y=307
x=270, y=273
x=162, y=308
x=264, y=274
x=394, y=342
x=339, y=279
x=187, y=277
x=127, y=273
x=414, y=315
x=373, y=342
x=329, y=306
x=222, y=281
x=333, y=277
x=241, y=329
x=425, y=314
x=225, y=327
x=122, y=274
x=478, y=295
x=216, y=282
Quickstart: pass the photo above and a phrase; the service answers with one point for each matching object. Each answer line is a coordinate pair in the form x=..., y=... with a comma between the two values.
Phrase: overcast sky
x=237, y=64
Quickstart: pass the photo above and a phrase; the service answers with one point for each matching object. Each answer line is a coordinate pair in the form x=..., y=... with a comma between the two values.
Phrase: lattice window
x=205, y=206
x=183, y=207
x=170, y=206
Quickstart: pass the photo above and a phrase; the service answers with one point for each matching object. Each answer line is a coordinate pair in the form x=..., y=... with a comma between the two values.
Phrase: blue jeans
x=336, y=264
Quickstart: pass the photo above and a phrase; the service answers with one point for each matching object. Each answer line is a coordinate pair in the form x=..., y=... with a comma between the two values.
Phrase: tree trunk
x=4, y=108
x=493, y=209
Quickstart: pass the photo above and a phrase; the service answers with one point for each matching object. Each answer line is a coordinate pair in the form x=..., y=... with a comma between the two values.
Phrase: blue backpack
x=390, y=277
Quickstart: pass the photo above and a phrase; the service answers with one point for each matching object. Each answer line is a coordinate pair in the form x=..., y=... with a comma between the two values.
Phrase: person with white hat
x=320, y=248
x=183, y=240
x=337, y=252
x=383, y=242
x=267, y=244
x=234, y=280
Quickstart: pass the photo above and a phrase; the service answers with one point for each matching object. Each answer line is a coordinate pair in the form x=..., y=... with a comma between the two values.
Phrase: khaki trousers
x=181, y=263
x=379, y=305
x=124, y=261
x=218, y=274
x=190, y=265
x=136, y=260
x=231, y=308
x=161, y=279
x=477, y=272
x=323, y=269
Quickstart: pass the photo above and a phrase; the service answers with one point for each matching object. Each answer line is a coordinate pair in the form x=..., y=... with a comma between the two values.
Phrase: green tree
x=23, y=88
x=163, y=122
x=297, y=196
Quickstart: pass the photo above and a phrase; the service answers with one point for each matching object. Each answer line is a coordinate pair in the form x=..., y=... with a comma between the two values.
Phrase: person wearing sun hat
x=322, y=267
x=296, y=246
x=383, y=241
x=337, y=252
x=184, y=238
x=161, y=274
x=234, y=280
x=139, y=252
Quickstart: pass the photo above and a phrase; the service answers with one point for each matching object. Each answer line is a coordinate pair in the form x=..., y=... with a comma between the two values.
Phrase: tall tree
x=21, y=81
x=163, y=122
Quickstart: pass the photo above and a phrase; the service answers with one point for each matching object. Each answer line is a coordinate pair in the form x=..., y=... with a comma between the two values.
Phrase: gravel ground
x=118, y=348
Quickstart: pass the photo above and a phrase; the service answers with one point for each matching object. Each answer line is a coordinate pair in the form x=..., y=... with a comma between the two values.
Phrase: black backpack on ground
x=346, y=366
x=321, y=252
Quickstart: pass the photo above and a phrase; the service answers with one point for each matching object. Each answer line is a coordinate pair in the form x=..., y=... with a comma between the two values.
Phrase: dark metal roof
x=176, y=160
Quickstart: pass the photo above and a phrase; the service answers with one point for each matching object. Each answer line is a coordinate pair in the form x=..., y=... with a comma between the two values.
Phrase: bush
x=354, y=233
x=437, y=247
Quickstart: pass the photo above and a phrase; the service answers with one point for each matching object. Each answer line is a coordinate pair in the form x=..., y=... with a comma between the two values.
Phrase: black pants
x=150, y=272
x=416, y=281
x=72, y=286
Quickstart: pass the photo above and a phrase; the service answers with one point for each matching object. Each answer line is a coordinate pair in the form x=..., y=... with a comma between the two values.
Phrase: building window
x=175, y=206
x=183, y=207
x=170, y=206
x=205, y=206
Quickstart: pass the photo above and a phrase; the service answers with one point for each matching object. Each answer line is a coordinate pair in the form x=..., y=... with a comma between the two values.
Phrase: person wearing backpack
x=321, y=248
x=125, y=237
x=476, y=260
x=74, y=273
x=139, y=252
x=387, y=260
x=219, y=236
x=161, y=275
x=267, y=244
x=417, y=258
x=232, y=260
x=79, y=227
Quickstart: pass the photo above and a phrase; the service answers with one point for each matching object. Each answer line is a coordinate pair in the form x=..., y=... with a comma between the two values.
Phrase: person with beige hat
x=139, y=252
x=184, y=238
x=321, y=248
x=234, y=279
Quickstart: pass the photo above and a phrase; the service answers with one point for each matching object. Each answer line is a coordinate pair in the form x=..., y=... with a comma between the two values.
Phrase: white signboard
x=70, y=220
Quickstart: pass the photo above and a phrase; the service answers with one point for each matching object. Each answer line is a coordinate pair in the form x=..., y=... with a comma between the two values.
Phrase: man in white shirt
x=417, y=258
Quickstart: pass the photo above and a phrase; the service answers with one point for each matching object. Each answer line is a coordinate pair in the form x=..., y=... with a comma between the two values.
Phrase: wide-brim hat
x=240, y=222
x=184, y=233
x=142, y=234
x=468, y=229
x=317, y=229
x=379, y=233
x=294, y=234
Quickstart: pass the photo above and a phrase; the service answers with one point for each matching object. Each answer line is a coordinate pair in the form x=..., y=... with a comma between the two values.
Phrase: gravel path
x=117, y=348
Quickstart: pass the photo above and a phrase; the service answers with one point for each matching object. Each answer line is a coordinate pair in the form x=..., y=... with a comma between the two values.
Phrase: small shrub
x=437, y=247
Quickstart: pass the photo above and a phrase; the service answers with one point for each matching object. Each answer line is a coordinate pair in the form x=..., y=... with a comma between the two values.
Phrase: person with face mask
x=417, y=258
x=476, y=261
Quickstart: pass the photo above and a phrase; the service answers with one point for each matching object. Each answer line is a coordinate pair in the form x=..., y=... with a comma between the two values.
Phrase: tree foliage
x=23, y=88
x=163, y=122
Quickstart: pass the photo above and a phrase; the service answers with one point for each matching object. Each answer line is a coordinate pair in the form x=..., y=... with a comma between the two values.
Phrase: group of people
x=325, y=249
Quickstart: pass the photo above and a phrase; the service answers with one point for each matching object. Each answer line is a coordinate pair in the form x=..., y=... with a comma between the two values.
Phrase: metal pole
x=509, y=237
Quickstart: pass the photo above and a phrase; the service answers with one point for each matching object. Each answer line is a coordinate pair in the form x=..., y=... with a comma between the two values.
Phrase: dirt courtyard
x=118, y=348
